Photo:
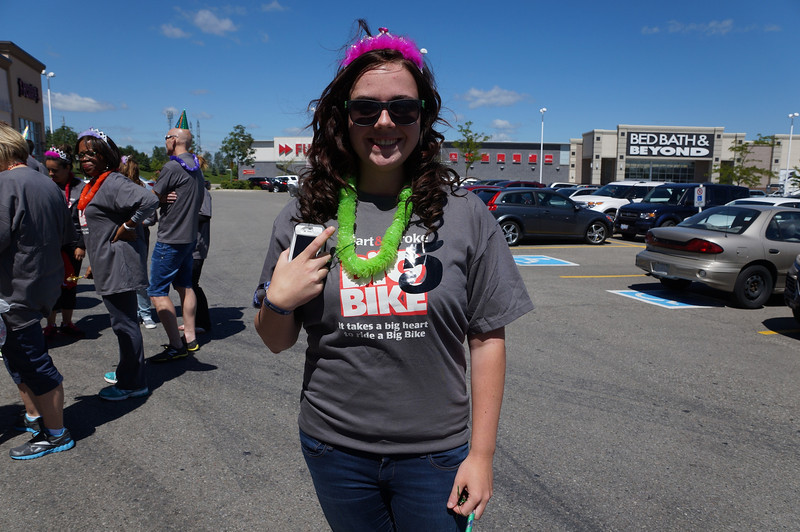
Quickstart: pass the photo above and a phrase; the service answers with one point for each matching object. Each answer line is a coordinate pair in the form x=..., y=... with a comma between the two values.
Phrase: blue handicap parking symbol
x=540, y=260
x=656, y=298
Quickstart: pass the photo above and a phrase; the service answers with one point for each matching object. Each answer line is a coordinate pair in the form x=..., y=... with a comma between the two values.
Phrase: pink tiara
x=385, y=41
x=55, y=153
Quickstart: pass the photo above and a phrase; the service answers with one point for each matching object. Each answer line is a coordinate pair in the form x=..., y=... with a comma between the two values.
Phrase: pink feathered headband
x=385, y=41
x=55, y=153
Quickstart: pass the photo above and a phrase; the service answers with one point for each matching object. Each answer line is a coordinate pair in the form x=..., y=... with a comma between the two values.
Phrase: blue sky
x=593, y=65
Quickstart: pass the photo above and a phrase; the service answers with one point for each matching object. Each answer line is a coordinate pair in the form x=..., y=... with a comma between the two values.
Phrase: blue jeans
x=170, y=264
x=365, y=492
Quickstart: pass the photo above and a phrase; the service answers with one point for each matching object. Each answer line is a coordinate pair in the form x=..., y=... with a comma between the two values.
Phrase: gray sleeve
x=495, y=290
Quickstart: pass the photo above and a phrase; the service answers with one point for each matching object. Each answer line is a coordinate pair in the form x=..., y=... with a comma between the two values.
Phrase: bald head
x=178, y=141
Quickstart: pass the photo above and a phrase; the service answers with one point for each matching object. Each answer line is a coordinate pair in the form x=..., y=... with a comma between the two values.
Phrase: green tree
x=62, y=135
x=740, y=172
x=286, y=167
x=159, y=158
x=237, y=147
x=140, y=157
x=469, y=145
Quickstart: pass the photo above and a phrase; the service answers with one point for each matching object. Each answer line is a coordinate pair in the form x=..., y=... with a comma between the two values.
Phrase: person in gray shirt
x=420, y=287
x=171, y=260
x=34, y=224
x=111, y=210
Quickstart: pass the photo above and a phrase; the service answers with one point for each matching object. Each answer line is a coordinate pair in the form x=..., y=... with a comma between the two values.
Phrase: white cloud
x=166, y=110
x=502, y=124
x=495, y=97
x=208, y=22
x=80, y=104
x=715, y=27
x=273, y=6
x=501, y=137
x=173, y=32
x=646, y=30
x=200, y=91
x=202, y=115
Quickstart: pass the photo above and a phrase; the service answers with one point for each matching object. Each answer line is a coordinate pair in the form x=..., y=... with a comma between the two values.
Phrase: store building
x=21, y=102
x=652, y=153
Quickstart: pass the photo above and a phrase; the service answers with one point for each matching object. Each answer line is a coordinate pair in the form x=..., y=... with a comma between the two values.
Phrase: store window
x=653, y=170
x=34, y=134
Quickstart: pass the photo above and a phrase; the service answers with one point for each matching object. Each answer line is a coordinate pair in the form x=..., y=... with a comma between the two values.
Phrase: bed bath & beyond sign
x=670, y=144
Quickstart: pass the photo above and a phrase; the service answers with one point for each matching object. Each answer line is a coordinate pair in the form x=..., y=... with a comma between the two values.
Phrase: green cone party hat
x=183, y=123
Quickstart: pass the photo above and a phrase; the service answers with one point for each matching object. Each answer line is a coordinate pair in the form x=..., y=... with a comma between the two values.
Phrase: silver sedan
x=742, y=249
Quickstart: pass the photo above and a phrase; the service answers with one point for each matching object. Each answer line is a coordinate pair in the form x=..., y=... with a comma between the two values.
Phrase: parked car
x=614, y=195
x=535, y=212
x=746, y=250
x=511, y=184
x=473, y=188
x=574, y=192
x=488, y=181
x=667, y=205
x=767, y=200
x=263, y=183
x=791, y=291
x=282, y=182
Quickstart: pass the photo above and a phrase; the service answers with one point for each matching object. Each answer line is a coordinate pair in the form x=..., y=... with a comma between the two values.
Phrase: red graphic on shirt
x=384, y=296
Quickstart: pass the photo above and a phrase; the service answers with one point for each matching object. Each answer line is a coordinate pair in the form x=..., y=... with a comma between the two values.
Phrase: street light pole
x=49, y=103
x=543, y=110
x=789, y=154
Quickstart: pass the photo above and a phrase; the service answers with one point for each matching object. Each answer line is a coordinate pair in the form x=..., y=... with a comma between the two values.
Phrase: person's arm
x=292, y=284
x=488, y=372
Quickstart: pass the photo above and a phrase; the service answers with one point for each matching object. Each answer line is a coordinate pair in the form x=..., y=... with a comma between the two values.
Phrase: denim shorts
x=363, y=491
x=170, y=264
x=28, y=362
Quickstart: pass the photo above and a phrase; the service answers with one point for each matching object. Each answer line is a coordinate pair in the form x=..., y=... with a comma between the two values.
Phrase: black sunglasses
x=367, y=112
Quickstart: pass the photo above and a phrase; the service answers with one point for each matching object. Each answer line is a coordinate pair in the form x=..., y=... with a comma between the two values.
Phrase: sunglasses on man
x=367, y=112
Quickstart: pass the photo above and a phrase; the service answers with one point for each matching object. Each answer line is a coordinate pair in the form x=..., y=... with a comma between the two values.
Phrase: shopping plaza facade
x=646, y=152
x=21, y=99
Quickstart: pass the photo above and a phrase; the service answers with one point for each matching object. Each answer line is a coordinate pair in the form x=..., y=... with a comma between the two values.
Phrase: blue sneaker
x=110, y=377
x=22, y=424
x=41, y=444
x=112, y=393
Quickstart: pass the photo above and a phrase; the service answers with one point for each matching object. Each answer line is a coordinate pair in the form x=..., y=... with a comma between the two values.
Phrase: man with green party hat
x=171, y=262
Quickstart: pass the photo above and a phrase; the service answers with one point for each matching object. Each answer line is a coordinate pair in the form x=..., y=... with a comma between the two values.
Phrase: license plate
x=660, y=267
x=623, y=226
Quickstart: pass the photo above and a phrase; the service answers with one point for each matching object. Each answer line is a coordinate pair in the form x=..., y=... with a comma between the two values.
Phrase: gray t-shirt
x=386, y=364
x=34, y=224
x=119, y=266
x=204, y=228
x=177, y=223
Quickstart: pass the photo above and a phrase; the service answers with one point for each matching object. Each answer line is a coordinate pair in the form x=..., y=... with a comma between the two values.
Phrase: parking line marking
x=654, y=298
x=540, y=260
x=600, y=276
x=782, y=331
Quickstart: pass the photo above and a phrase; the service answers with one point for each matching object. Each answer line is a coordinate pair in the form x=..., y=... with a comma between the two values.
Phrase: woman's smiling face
x=383, y=147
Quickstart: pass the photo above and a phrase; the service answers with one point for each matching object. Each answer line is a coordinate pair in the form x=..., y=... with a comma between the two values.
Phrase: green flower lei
x=351, y=263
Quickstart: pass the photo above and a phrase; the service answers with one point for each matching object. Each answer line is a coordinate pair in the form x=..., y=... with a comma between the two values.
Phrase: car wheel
x=611, y=212
x=668, y=223
x=675, y=284
x=596, y=233
x=628, y=236
x=511, y=231
x=753, y=287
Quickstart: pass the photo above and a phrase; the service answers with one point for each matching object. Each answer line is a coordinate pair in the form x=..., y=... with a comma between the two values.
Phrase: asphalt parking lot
x=626, y=408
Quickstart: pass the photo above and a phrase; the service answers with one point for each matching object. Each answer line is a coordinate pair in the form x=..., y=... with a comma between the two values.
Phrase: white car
x=608, y=198
x=767, y=200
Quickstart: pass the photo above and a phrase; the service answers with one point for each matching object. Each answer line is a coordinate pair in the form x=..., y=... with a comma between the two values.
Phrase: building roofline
x=8, y=47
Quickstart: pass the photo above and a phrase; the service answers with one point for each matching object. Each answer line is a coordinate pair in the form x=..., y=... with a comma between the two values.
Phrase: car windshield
x=665, y=194
x=728, y=219
x=485, y=195
x=613, y=191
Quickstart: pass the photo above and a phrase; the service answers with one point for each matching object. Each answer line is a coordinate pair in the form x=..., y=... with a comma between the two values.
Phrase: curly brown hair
x=331, y=158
